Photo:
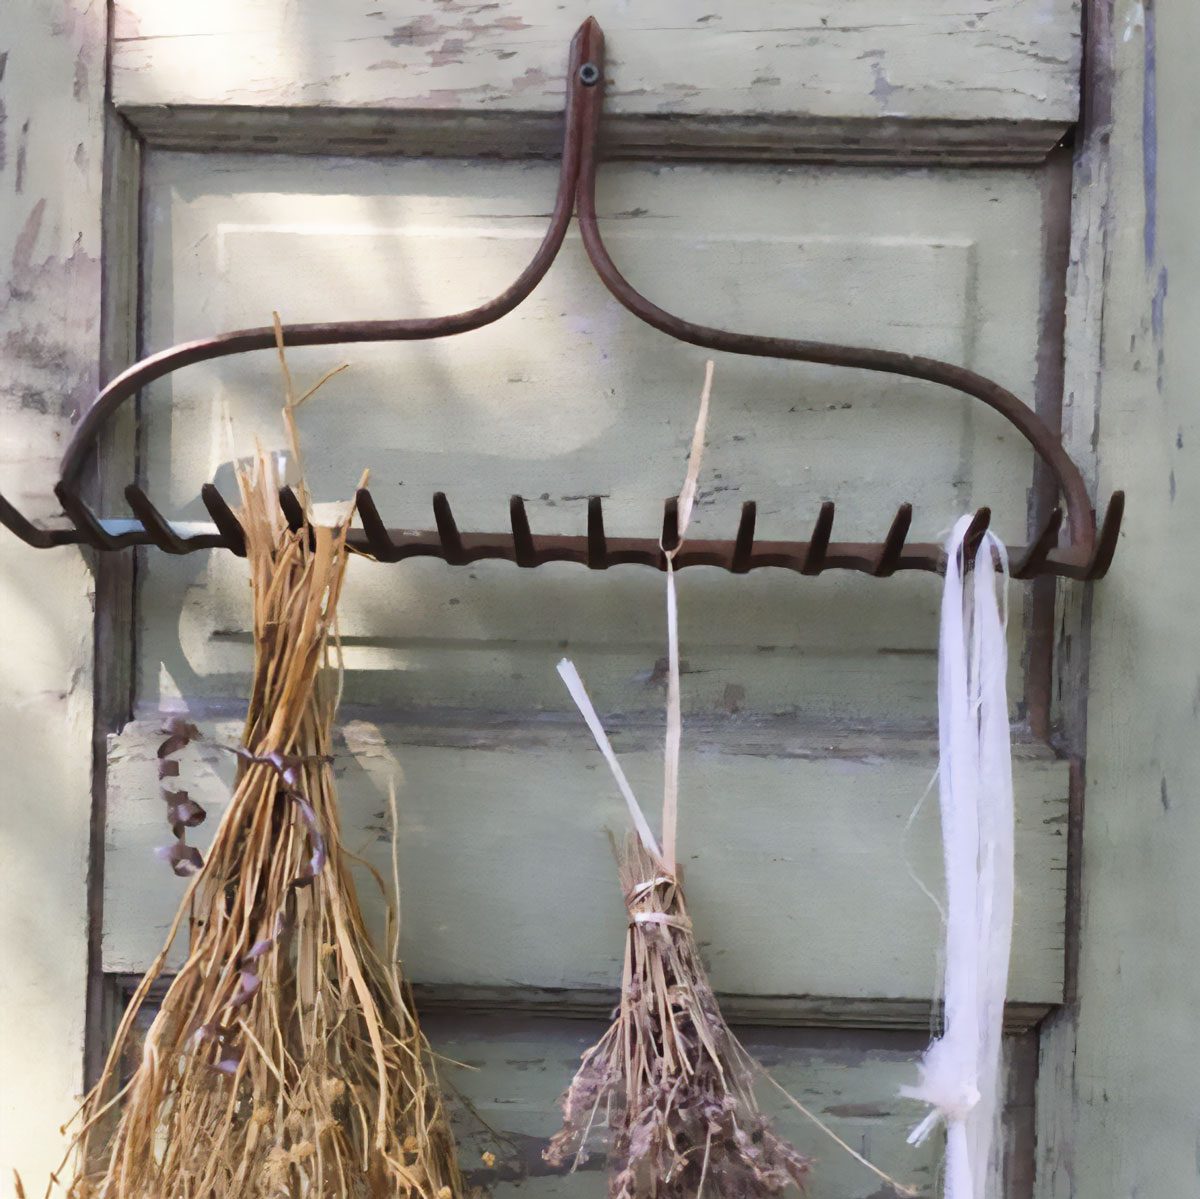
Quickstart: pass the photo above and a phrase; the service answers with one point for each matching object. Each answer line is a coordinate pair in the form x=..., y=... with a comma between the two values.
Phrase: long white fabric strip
x=960, y=1072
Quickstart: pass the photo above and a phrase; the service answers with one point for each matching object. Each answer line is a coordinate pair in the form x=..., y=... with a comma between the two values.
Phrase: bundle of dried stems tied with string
x=669, y=1078
x=286, y=1058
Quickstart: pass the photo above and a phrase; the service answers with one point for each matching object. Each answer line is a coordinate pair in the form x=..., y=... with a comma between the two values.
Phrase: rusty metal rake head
x=1085, y=554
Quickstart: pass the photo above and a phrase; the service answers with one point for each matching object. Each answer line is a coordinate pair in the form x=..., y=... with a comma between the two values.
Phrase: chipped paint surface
x=571, y=396
x=483, y=804
x=51, y=81
x=1118, y=1096
x=1011, y=59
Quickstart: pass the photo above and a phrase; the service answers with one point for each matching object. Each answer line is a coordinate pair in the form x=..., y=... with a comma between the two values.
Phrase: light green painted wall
x=51, y=129
x=1128, y=1115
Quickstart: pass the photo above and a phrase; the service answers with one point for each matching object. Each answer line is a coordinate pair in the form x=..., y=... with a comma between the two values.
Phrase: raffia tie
x=636, y=894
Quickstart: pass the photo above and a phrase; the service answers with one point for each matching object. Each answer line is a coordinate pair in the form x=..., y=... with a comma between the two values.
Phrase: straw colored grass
x=286, y=1058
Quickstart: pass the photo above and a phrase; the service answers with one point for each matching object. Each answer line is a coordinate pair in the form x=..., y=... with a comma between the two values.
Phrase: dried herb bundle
x=672, y=1082
x=669, y=1078
x=286, y=1058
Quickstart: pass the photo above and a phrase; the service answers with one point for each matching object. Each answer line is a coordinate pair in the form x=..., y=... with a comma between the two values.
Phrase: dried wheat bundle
x=286, y=1058
x=669, y=1078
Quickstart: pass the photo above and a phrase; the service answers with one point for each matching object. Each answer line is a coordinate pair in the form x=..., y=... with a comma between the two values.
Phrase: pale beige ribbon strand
x=687, y=499
x=583, y=701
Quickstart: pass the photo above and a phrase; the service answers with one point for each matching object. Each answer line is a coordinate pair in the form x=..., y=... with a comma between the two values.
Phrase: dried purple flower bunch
x=183, y=812
x=669, y=1079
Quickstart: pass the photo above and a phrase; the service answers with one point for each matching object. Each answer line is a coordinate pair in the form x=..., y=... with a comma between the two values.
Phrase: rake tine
x=743, y=547
x=28, y=532
x=1039, y=549
x=670, y=527
x=523, y=549
x=597, y=543
x=222, y=515
x=974, y=535
x=84, y=519
x=379, y=540
x=448, y=535
x=293, y=510
x=1106, y=542
x=818, y=543
x=893, y=543
x=154, y=522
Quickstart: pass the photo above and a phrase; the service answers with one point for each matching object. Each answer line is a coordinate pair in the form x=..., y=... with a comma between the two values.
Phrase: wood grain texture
x=113, y=574
x=508, y=877
x=453, y=133
x=51, y=150
x=1008, y=60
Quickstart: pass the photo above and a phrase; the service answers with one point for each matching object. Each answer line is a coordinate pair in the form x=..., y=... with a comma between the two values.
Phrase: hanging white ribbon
x=674, y=737
x=961, y=1070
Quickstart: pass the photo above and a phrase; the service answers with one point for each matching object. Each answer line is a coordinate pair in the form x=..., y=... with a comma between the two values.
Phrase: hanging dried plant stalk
x=673, y=1083
x=286, y=1058
x=669, y=1078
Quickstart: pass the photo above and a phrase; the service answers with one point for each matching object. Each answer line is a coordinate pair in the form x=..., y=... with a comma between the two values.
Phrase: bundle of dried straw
x=286, y=1058
x=669, y=1078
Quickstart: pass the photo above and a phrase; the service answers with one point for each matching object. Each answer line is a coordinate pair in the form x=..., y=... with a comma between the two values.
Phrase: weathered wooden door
x=809, y=170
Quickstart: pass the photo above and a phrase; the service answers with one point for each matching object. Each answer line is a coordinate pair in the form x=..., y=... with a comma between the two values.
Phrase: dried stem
x=286, y=1058
x=675, y=1084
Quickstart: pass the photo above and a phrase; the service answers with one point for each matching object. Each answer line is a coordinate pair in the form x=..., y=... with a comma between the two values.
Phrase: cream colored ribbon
x=671, y=748
x=583, y=701
x=570, y=676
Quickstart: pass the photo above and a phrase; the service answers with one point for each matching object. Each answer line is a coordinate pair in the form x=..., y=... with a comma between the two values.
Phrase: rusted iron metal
x=1085, y=555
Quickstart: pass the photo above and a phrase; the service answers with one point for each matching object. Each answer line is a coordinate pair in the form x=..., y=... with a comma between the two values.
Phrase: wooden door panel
x=803, y=874
x=449, y=672
x=1010, y=59
x=810, y=702
x=570, y=396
